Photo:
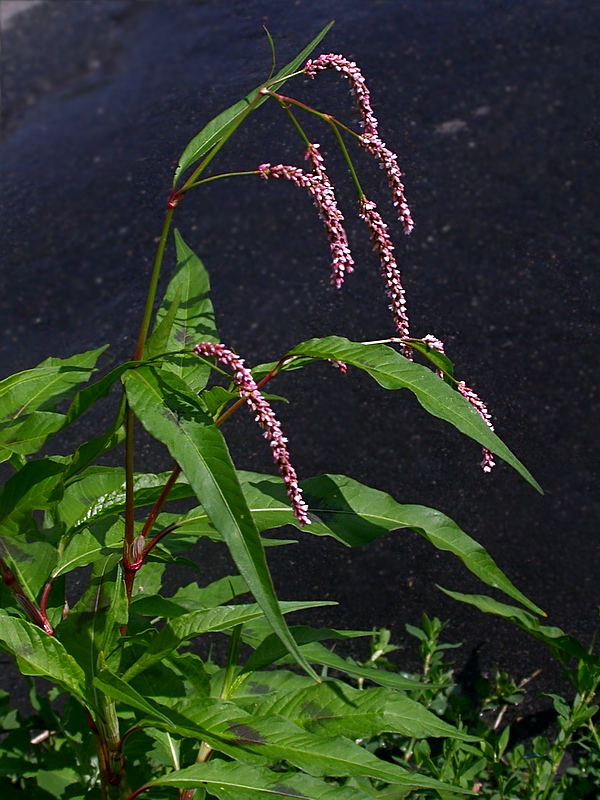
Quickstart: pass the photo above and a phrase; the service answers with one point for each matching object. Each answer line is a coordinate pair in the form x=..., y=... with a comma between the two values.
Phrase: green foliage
x=138, y=704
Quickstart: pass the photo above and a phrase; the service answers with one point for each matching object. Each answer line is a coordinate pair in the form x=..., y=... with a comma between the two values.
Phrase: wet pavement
x=494, y=109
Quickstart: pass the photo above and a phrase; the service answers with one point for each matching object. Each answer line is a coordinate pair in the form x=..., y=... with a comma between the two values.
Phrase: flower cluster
x=388, y=161
x=263, y=414
x=370, y=138
x=487, y=461
x=357, y=85
x=321, y=190
x=384, y=248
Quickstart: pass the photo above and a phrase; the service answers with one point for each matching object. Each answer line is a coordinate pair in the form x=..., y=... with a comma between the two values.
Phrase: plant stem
x=129, y=417
x=325, y=117
x=160, y=501
x=222, y=175
x=151, y=294
x=35, y=614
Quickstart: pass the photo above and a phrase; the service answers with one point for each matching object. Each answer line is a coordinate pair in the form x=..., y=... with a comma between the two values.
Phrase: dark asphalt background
x=494, y=110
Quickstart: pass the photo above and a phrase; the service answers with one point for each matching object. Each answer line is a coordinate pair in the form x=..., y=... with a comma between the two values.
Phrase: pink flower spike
x=357, y=85
x=382, y=244
x=388, y=161
x=487, y=461
x=341, y=365
x=263, y=414
x=321, y=190
x=488, y=458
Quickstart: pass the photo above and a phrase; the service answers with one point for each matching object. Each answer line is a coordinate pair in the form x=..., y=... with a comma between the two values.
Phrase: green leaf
x=44, y=386
x=193, y=319
x=118, y=689
x=224, y=590
x=334, y=708
x=40, y=654
x=393, y=371
x=172, y=414
x=24, y=397
x=225, y=123
x=316, y=653
x=268, y=648
x=439, y=360
x=92, y=626
x=28, y=433
x=30, y=562
x=272, y=739
x=34, y=486
x=554, y=638
x=355, y=514
x=83, y=549
x=157, y=343
x=197, y=623
x=229, y=780
x=95, y=391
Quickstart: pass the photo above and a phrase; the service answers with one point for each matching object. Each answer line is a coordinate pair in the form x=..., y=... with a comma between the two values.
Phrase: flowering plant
x=143, y=714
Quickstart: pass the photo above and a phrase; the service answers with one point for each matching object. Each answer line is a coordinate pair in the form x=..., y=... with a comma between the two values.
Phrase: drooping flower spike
x=370, y=140
x=388, y=161
x=382, y=244
x=357, y=85
x=487, y=462
x=321, y=190
x=263, y=414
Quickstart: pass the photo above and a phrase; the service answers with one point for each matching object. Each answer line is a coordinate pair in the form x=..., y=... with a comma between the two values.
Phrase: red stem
x=36, y=616
x=137, y=792
x=44, y=596
x=160, y=501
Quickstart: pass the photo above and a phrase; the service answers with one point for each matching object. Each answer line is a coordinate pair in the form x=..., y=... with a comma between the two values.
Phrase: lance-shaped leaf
x=224, y=124
x=355, y=514
x=270, y=739
x=264, y=740
x=34, y=486
x=334, y=708
x=268, y=649
x=27, y=434
x=230, y=780
x=193, y=320
x=172, y=414
x=393, y=371
x=42, y=655
x=197, y=623
x=44, y=386
x=28, y=400
x=92, y=626
x=316, y=653
x=554, y=638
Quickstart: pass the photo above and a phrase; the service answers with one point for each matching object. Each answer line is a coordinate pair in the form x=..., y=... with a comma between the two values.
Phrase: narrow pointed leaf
x=40, y=654
x=553, y=637
x=197, y=623
x=27, y=434
x=34, y=486
x=92, y=626
x=268, y=649
x=172, y=414
x=356, y=514
x=44, y=386
x=316, y=653
x=157, y=342
x=230, y=780
x=193, y=320
x=334, y=708
x=393, y=371
x=225, y=123
x=273, y=738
